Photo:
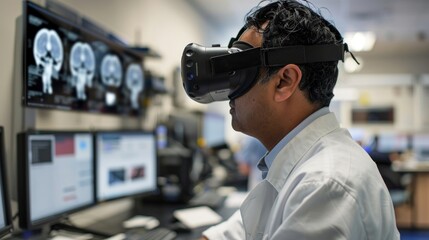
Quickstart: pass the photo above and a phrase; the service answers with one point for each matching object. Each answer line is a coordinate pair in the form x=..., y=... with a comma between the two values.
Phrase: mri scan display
x=111, y=76
x=69, y=68
x=134, y=82
x=48, y=53
x=111, y=70
x=82, y=66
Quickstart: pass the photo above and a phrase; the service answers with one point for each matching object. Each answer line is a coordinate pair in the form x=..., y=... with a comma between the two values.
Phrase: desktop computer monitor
x=55, y=176
x=126, y=164
x=5, y=217
x=185, y=128
x=213, y=129
x=393, y=142
x=420, y=143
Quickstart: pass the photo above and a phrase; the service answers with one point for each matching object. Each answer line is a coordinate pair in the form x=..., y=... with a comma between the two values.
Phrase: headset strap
x=274, y=57
x=279, y=56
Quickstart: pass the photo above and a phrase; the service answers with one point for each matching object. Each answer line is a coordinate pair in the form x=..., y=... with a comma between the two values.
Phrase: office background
x=394, y=74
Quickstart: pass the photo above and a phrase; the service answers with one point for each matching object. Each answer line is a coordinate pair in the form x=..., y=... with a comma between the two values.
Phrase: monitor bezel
x=24, y=207
x=133, y=195
x=4, y=182
x=105, y=39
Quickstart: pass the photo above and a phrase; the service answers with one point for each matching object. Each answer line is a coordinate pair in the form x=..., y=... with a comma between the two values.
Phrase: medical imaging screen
x=66, y=67
x=126, y=164
x=60, y=173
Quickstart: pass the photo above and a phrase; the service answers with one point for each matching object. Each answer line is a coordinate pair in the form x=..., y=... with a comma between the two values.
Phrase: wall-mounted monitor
x=5, y=216
x=126, y=164
x=67, y=67
x=373, y=115
x=55, y=176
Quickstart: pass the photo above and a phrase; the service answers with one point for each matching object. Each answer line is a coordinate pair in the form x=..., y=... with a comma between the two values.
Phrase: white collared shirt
x=265, y=163
x=321, y=185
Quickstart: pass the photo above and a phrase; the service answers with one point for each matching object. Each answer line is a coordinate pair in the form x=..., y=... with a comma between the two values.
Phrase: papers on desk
x=147, y=222
x=61, y=238
x=411, y=166
x=119, y=236
x=235, y=199
x=197, y=217
x=76, y=237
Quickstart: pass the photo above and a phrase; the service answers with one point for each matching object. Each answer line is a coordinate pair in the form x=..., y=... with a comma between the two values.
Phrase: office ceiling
x=393, y=21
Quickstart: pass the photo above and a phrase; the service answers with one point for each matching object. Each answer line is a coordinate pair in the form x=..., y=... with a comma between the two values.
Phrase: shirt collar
x=266, y=161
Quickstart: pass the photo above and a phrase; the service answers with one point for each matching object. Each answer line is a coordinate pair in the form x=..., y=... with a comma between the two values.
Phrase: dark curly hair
x=295, y=23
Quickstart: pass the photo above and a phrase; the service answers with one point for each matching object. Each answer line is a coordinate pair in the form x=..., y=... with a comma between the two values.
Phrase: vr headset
x=224, y=73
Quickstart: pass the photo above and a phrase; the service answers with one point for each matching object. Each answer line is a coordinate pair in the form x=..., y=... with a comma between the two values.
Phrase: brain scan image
x=111, y=71
x=134, y=82
x=111, y=75
x=82, y=66
x=48, y=53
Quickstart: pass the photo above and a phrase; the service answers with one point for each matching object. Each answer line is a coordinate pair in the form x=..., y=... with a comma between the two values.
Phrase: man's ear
x=287, y=82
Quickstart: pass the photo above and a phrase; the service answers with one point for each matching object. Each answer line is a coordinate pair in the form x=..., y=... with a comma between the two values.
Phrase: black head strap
x=279, y=56
x=274, y=57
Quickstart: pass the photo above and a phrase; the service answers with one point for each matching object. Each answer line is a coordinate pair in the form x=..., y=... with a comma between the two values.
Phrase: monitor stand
x=70, y=228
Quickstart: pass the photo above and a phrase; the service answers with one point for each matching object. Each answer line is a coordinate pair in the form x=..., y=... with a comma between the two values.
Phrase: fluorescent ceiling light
x=345, y=94
x=360, y=41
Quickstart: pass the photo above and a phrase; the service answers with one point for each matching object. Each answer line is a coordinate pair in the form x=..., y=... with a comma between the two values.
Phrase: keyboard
x=159, y=233
x=208, y=198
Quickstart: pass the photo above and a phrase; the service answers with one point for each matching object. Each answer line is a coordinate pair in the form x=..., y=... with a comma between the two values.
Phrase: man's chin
x=235, y=126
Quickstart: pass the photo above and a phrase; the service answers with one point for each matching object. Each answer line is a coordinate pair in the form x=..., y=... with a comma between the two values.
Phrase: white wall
x=407, y=93
x=9, y=10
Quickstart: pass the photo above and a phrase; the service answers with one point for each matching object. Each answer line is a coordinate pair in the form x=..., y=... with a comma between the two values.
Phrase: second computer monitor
x=126, y=164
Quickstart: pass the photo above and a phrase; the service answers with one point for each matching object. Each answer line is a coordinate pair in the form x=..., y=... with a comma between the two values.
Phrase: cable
x=15, y=216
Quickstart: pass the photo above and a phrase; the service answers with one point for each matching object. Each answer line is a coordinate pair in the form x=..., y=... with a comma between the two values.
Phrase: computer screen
x=68, y=67
x=184, y=127
x=213, y=129
x=5, y=217
x=126, y=164
x=55, y=175
x=420, y=143
x=393, y=142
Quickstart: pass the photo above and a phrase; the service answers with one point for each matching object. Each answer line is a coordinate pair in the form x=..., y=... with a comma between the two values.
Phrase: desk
x=162, y=211
x=416, y=213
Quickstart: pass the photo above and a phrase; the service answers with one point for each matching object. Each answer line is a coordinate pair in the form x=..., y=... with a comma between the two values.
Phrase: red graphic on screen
x=64, y=146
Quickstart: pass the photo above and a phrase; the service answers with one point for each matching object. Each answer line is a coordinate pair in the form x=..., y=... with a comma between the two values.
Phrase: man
x=318, y=182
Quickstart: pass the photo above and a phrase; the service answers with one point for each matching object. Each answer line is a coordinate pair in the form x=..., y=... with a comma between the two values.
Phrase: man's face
x=251, y=111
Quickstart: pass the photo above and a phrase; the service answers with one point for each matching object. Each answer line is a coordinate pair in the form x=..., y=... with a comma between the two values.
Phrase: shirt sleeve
x=231, y=229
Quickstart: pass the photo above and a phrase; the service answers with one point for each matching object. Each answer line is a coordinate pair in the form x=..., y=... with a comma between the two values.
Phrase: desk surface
x=411, y=166
x=162, y=211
